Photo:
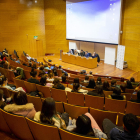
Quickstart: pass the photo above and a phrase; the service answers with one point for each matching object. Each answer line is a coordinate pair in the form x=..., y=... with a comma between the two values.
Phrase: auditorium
x=69, y=69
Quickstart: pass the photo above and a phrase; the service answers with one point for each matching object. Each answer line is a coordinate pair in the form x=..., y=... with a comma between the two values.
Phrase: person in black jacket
x=129, y=85
x=138, y=98
x=96, y=55
x=33, y=77
x=57, y=84
x=91, y=84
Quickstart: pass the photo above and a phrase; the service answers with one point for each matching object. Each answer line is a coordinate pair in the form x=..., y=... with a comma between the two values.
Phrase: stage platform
x=102, y=69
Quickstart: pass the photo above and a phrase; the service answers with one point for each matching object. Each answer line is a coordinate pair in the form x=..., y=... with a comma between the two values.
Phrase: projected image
x=93, y=20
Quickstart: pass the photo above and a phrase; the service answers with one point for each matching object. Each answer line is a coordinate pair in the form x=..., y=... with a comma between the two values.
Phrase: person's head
x=138, y=95
x=86, y=52
x=83, y=125
x=91, y=83
x=20, y=98
x=131, y=123
x=76, y=80
x=1, y=94
x=122, y=79
x=59, y=66
x=99, y=81
x=99, y=90
x=132, y=79
x=43, y=80
x=48, y=110
x=34, y=66
x=81, y=50
x=105, y=85
x=76, y=87
x=63, y=78
x=123, y=87
x=90, y=72
x=56, y=82
x=113, y=82
x=94, y=53
x=3, y=80
x=41, y=68
x=117, y=91
x=129, y=84
x=33, y=73
x=46, y=65
x=86, y=78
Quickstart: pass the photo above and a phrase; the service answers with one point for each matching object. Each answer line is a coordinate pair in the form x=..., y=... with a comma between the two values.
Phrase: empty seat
x=75, y=98
x=100, y=115
x=30, y=87
x=27, y=74
x=18, y=126
x=107, y=93
x=42, y=132
x=115, y=105
x=6, y=92
x=59, y=95
x=94, y=101
x=19, y=83
x=75, y=111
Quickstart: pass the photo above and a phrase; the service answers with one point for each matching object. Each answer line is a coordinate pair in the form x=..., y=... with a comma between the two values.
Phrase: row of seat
x=27, y=129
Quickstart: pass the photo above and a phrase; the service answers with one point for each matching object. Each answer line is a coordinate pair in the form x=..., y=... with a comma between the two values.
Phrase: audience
x=64, y=81
x=43, y=81
x=33, y=77
x=86, y=79
x=57, y=84
x=129, y=85
x=113, y=83
x=91, y=84
x=21, y=106
x=46, y=66
x=106, y=86
x=76, y=87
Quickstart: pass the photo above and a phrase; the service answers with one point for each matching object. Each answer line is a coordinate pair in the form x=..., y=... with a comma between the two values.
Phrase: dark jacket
x=117, y=97
x=60, y=86
x=136, y=101
x=98, y=58
x=94, y=93
x=31, y=80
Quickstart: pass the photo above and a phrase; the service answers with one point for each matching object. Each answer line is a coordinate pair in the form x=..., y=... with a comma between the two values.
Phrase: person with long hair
x=129, y=85
x=43, y=82
x=75, y=87
x=99, y=81
x=48, y=114
x=106, y=86
x=91, y=84
x=57, y=84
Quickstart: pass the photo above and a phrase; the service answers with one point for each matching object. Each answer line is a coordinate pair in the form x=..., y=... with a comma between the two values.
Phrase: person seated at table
x=123, y=87
x=129, y=85
x=90, y=74
x=138, y=98
x=75, y=52
x=33, y=77
x=106, y=86
x=82, y=53
x=97, y=92
x=91, y=84
x=87, y=54
x=57, y=84
x=95, y=55
x=126, y=132
x=117, y=94
x=99, y=81
x=64, y=80
x=83, y=72
x=71, y=51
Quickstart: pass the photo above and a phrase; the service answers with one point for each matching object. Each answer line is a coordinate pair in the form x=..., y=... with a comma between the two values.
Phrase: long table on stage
x=80, y=61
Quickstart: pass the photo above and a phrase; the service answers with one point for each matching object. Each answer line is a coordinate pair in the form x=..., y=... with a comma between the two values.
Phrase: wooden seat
x=129, y=90
x=70, y=86
x=27, y=74
x=59, y=95
x=133, y=108
x=75, y=98
x=30, y=87
x=36, y=102
x=11, y=76
x=134, y=96
x=6, y=92
x=75, y=111
x=84, y=84
x=89, y=89
x=42, y=132
x=65, y=85
x=127, y=95
x=19, y=83
x=45, y=90
x=94, y=101
x=100, y=115
x=107, y=93
x=3, y=125
x=120, y=119
x=66, y=135
x=18, y=126
x=115, y=105
x=59, y=72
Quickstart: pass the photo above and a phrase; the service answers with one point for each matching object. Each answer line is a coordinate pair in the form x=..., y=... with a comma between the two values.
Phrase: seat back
x=59, y=72
x=120, y=119
x=6, y=92
x=59, y=95
x=134, y=97
x=127, y=95
x=45, y=90
x=66, y=135
x=129, y=90
x=42, y=132
x=89, y=89
x=19, y=83
x=75, y=111
x=30, y=87
x=27, y=74
x=94, y=101
x=133, y=108
x=75, y=98
x=18, y=125
x=11, y=76
x=3, y=125
x=115, y=105
x=107, y=93
x=36, y=102
x=100, y=115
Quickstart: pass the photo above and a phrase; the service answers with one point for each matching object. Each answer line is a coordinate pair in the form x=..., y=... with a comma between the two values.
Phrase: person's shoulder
x=115, y=132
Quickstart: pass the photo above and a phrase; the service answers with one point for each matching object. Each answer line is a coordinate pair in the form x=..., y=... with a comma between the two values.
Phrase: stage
x=102, y=69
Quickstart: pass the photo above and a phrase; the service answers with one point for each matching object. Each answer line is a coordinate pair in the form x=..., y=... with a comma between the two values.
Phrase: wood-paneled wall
x=131, y=33
x=19, y=23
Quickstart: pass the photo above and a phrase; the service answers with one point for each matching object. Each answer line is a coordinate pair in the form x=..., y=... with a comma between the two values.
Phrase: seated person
x=138, y=98
x=117, y=94
x=2, y=103
x=46, y=66
x=123, y=87
x=43, y=82
x=55, y=72
x=76, y=87
x=83, y=72
x=90, y=74
x=97, y=92
x=5, y=52
x=113, y=83
x=86, y=125
x=99, y=81
x=91, y=84
x=82, y=53
x=64, y=81
x=75, y=52
x=34, y=66
x=127, y=132
x=48, y=114
x=129, y=85
x=96, y=55
x=21, y=106
x=71, y=51
x=76, y=80
x=33, y=77
x=64, y=72
x=57, y=84
x=106, y=86
x=86, y=79
x=50, y=77
x=87, y=55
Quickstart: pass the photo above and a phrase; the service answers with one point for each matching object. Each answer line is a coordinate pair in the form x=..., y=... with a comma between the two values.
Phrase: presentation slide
x=93, y=20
